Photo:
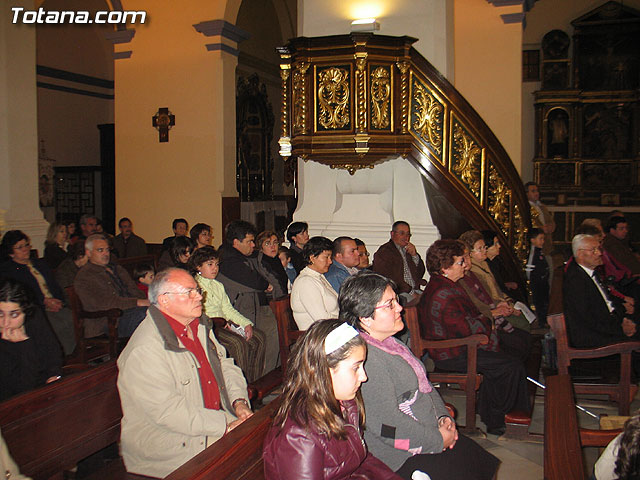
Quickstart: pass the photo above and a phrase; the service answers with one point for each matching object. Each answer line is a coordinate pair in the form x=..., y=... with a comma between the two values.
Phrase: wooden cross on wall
x=163, y=120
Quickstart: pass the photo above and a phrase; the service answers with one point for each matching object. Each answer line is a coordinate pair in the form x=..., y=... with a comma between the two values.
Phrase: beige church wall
x=67, y=122
x=170, y=67
x=430, y=21
x=488, y=69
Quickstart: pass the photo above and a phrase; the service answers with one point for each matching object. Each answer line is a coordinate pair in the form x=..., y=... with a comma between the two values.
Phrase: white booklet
x=526, y=311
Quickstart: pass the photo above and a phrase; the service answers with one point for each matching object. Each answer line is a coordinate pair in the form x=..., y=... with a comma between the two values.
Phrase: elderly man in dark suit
x=398, y=260
x=594, y=317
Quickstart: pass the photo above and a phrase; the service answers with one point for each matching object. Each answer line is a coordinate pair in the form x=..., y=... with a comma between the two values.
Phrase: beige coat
x=8, y=468
x=484, y=274
x=164, y=420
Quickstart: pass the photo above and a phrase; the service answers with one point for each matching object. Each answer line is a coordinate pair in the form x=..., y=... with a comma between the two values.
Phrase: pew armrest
x=597, y=438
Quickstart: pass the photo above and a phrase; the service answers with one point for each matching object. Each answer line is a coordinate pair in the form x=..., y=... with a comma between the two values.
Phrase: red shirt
x=208, y=383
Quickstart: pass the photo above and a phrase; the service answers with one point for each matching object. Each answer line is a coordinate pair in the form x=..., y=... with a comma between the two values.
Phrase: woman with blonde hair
x=317, y=431
x=55, y=246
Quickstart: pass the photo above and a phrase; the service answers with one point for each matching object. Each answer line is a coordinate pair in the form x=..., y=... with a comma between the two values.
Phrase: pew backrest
x=48, y=430
x=237, y=455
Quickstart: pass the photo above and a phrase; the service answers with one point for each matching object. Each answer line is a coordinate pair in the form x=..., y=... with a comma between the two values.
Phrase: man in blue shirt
x=345, y=261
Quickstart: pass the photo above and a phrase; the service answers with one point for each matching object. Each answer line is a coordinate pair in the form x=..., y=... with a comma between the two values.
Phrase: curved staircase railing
x=351, y=101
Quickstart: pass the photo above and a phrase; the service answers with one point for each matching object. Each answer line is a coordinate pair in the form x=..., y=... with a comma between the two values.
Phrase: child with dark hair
x=538, y=274
x=284, y=254
x=143, y=274
x=244, y=343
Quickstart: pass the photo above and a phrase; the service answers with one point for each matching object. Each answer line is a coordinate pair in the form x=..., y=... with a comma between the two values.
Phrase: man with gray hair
x=398, y=260
x=179, y=391
x=88, y=226
x=102, y=285
x=593, y=315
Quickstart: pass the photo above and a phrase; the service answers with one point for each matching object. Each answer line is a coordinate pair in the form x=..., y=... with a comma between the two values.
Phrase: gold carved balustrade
x=352, y=101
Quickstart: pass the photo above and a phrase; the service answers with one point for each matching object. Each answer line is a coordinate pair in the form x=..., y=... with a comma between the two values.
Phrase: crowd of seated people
x=466, y=294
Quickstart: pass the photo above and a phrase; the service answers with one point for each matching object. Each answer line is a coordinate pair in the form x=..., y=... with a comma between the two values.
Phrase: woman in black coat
x=30, y=355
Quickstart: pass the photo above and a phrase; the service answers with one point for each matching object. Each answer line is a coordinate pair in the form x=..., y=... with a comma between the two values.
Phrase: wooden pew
x=237, y=455
x=50, y=429
x=563, y=439
x=622, y=392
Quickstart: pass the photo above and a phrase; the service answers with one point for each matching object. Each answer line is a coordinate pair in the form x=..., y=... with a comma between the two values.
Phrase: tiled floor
x=524, y=460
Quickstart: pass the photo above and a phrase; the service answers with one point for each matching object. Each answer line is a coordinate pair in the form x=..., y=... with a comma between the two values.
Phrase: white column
x=365, y=204
x=19, y=201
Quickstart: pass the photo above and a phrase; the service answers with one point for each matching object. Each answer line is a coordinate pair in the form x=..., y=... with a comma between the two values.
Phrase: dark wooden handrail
x=425, y=119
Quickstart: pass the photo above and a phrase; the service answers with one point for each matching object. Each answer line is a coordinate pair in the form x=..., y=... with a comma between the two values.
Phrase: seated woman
x=408, y=426
x=513, y=341
x=55, y=246
x=478, y=249
x=497, y=267
x=201, y=235
x=269, y=264
x=30, y=355
x=35, y=274
x=317, y=431
x=446, y=311
x=312, y=296
x=178, y=254
x=298, y=235
x=243, y=342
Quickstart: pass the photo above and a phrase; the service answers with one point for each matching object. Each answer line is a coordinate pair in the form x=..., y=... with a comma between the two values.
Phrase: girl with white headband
x=317, y=432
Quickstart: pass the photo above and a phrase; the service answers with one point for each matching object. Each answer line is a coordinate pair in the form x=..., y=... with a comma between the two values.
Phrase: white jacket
x=312, y=299
x=164, y=420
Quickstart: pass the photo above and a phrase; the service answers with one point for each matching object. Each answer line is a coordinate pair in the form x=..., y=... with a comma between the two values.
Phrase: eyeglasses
x=402, y=234
x=592, y=250
x=391, y=304
x=460, y=262
x=21, y=247
x=481, y=249
x=191, y=292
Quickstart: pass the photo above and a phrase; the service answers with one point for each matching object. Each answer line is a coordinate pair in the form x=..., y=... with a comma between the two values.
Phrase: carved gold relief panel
x=519, y=234
x=381, y=88
x=427, y=117
x=300, y=98
x=498, y=199
x=466, y=159
x=333, y=98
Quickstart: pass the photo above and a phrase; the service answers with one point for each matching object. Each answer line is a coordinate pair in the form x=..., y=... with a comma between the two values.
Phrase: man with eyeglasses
x=593, y=315
x=179, y=391
x=398, y=260
x=102, y=285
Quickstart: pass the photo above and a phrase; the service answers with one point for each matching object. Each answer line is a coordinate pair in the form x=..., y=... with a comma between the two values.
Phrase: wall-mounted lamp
x=365, y=25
